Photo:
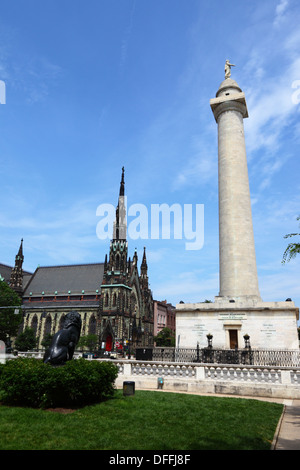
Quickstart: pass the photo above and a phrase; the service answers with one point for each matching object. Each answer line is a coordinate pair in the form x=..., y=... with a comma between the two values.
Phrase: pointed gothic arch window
x=34, y=323
x=61, y=322
x=48, y=324
x=106, y=300
x=114, y=300
x=92, y=325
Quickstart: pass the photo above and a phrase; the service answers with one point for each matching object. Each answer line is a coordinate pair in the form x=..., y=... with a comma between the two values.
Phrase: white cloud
x=199, y=170
x=280, y=12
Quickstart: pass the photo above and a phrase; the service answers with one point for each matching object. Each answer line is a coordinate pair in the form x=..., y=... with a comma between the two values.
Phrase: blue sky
x=95, y=85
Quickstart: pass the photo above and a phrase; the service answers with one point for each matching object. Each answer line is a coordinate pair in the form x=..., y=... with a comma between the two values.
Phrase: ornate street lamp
x=209, y=339
x=247, y=341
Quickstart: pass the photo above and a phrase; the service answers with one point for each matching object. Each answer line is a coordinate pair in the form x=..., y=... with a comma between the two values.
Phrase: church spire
x=144, y=261
x=117, y=264
x=20, y=257
x=122, y=184
x=120, y=226
x=144, y=270
x=16, y=277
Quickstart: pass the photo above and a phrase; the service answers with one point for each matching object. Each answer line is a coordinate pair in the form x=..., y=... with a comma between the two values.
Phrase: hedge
x=30, y=382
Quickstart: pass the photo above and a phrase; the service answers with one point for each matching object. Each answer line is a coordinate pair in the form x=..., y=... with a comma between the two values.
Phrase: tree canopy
x=165, y=337
x=9, y=320
x=26, y=340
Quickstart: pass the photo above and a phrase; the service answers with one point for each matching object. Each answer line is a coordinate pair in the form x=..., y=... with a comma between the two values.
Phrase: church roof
x=5, y=271
x=64, y=280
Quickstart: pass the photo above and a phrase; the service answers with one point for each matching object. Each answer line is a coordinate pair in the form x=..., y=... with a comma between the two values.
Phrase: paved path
x=288, y=432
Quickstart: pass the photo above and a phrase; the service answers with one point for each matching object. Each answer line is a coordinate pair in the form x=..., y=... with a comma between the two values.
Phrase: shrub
x=30, y=382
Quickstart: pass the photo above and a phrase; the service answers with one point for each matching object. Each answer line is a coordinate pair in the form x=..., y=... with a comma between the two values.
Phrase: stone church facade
x=113, y=298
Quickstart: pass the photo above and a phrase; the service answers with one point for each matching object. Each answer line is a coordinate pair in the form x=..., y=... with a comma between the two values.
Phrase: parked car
x=95, y=355
x=87, y=355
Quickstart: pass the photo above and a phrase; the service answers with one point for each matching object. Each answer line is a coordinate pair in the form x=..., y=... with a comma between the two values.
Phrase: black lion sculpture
x=64, y=341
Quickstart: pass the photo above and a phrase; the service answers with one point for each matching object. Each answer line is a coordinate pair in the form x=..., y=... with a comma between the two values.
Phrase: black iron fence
x=247, y=356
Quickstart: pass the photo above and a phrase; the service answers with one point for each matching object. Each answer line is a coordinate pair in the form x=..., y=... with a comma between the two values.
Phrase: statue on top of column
x=228, y=66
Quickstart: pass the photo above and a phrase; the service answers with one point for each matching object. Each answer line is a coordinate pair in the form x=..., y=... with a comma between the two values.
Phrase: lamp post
x=130, y=337
x=209, y=339
x=247, y=341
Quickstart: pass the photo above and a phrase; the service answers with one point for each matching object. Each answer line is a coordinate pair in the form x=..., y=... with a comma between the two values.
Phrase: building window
x=47, y=329
x=61, y=322
x=34, y=323
x=92, y=325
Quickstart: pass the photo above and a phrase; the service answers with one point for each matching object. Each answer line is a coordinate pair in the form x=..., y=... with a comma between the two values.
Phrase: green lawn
x=145, y=421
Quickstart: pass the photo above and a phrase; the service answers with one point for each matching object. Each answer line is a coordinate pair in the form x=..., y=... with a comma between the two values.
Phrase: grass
x=145, y=421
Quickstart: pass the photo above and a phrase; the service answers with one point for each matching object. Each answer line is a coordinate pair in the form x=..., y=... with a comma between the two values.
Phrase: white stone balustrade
x=266, y=381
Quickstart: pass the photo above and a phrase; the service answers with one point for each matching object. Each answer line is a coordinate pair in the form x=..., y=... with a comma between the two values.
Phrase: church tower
x=126, y=318
x=16, y=278
x=117, y=264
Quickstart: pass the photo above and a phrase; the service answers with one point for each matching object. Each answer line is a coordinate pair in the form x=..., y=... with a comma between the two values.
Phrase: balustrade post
x=127, y=369
x=200, y=373
x=285, y=377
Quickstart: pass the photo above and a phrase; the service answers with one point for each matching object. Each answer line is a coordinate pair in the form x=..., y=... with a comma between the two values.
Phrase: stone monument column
x=238, y=309
x=238, y=271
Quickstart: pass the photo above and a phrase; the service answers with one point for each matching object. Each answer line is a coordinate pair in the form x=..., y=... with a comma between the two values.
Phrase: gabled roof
x=5, y=271
x=73, y=279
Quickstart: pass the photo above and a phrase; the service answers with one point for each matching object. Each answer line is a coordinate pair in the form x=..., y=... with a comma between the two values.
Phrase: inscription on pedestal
x=268, y=329
x=200, y=329
x=232, y=316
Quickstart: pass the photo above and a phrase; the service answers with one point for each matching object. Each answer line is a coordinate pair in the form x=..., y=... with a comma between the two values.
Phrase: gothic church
x=113, y=298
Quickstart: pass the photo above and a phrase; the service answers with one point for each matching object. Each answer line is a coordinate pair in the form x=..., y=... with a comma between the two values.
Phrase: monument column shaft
x=238, y=272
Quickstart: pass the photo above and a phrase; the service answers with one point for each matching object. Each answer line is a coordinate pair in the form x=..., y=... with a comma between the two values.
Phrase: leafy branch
x=292, y=249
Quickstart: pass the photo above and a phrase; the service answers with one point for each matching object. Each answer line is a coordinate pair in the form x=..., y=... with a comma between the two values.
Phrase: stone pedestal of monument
x=270, y=325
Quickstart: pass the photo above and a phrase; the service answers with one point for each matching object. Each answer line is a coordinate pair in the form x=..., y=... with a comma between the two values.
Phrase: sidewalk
x=287, y=436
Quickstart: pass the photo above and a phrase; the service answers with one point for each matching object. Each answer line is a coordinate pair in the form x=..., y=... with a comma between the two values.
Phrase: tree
x=26, y=340
x=88, y=341
x=292, y=249
x=9, y=320
x=165, y=337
